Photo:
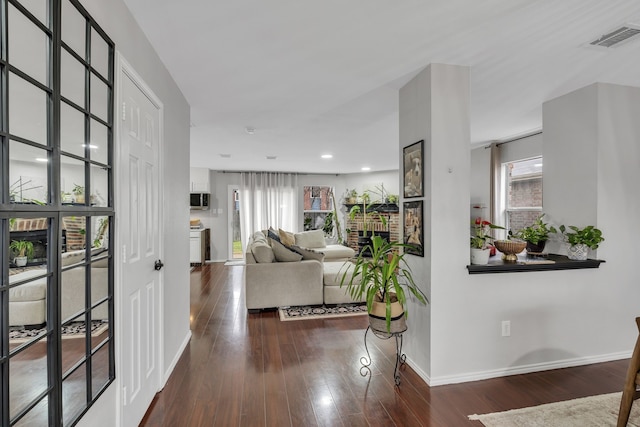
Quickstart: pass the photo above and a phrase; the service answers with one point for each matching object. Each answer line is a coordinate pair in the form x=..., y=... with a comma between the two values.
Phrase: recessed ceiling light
x=250, y=130
x=226, y=156
x=327, y=156
x=366, y=168
x=272, y=157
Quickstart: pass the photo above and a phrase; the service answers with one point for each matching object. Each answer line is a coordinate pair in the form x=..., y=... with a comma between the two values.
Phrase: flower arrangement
x=480, y=237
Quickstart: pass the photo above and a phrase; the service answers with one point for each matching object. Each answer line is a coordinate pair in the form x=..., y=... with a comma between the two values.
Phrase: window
x=56, y=212
x=318, y=208
x=523, y=192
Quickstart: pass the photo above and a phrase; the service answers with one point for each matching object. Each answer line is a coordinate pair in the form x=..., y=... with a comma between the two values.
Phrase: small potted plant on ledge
x=23, y=250
x=382, y=277
x=581, y=240
x=480, y=240
x=536, y=235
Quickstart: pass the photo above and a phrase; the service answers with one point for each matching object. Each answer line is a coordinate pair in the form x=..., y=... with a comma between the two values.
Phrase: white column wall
x=558, y=318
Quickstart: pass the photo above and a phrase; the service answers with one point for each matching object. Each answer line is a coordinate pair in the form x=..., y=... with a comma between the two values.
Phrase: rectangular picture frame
x=413, y=171
x=413, y=227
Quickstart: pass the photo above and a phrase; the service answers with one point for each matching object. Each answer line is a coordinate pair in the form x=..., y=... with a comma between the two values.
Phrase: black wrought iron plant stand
x=400, y=356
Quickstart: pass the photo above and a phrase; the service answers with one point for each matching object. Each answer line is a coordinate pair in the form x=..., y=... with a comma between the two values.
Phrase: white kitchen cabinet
x=199, y=247
x=200, y=180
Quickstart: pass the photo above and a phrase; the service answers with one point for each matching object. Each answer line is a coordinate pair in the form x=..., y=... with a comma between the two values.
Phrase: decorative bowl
x=510, y=248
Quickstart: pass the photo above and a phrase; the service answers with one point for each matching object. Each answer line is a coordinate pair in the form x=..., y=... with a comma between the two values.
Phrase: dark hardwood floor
x=254, y=370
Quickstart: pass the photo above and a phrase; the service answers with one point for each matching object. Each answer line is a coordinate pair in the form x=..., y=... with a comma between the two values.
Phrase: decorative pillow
x=286, y=238
x=308, y=253
x=284, y=254
x=310, y=239
x=273, y=234
x=262, y=252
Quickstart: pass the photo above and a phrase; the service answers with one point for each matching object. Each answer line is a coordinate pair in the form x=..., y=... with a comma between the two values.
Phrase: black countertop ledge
x=524, y=264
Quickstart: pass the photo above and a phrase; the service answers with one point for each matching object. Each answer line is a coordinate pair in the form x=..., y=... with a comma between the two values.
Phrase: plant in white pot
x=382, y=277
x=581, y=240
x=480, y=240
x=23, y=250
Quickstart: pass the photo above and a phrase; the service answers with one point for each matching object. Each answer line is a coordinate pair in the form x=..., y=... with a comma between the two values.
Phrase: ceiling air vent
x=618, y=37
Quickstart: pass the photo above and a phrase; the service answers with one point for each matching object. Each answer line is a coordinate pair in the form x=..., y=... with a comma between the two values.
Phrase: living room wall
x=558, y=318
x=115, y=18
x=217, y=219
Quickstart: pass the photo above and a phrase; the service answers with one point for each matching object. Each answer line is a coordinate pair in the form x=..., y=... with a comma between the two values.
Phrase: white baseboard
x=516, y=370
x=174, y=362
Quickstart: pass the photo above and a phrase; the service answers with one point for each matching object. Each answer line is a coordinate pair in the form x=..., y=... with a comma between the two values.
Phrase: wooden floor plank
x=254, y=370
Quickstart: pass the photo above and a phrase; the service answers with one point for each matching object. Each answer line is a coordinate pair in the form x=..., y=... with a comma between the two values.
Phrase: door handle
x=158, y=265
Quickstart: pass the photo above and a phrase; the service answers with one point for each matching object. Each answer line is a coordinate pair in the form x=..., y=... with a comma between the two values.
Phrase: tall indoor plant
x=382, y=277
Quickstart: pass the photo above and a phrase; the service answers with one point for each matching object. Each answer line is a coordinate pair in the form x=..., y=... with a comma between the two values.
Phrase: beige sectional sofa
x=27, y=302
x=277, y=277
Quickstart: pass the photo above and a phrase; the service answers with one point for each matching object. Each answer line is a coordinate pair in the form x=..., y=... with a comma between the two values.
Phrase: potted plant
x=480, y=239
x=78, y=192
x=382, y=277
x=536, y=235
x=581, y=240
x=351, y=196
x=363, y=237
x=23, y=250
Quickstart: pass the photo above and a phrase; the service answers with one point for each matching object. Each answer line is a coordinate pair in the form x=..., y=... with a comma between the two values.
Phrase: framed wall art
x=413, y=228
x=413, y=171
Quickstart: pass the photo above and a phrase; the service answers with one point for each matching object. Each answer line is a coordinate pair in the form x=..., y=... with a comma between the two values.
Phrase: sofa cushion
x=73, y=257
x=337, y=252
x=308, y=253
x=282, y=253
x=286, y=238
x=310, y=239
x=260, y=248
x=333, y=272
x=32, y=291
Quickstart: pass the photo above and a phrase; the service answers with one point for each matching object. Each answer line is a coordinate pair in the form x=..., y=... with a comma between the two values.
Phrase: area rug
x=18, y=334
x=321, y=312
x=593, y=411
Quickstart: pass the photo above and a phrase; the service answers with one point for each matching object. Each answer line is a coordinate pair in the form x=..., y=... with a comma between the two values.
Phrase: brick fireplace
x=391, y=232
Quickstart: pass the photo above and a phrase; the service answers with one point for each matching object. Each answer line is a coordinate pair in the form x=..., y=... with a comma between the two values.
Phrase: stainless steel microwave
x=200, y=201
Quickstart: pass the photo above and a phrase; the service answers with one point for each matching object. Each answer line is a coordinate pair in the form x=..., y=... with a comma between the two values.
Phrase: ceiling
x=322, y=77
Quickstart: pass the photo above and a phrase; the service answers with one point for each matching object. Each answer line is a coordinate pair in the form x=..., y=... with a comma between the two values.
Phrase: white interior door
x=140, y=224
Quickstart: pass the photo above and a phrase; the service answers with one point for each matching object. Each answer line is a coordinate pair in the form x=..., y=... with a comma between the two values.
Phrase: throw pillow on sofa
x=286, y=238
x=282, y=253
x=260, y=248
x=309, y=253
x=310, y=239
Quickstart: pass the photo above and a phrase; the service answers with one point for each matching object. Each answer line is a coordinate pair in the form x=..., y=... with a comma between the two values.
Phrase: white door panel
x=141, y=283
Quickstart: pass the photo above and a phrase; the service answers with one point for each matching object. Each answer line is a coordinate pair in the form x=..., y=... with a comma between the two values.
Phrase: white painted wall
x=217, y=219
x=434, y=106
x=114, y=17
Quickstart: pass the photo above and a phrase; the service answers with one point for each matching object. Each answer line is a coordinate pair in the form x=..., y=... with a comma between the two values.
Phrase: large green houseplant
x=382, y=277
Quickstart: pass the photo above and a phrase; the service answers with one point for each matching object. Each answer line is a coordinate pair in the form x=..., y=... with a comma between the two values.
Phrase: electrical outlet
x=506, y=328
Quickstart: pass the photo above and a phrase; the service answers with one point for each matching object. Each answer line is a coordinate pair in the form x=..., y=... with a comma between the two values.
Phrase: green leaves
x=589, y=235
x=385, y=272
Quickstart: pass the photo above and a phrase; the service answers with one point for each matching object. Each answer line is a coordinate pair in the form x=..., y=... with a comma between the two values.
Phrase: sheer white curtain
x=267, y=199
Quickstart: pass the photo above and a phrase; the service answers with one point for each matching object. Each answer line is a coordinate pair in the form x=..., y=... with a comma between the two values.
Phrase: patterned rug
x=18, y=334
x=321, y=312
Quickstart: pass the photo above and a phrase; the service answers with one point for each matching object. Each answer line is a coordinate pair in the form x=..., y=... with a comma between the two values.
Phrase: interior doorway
x=235, y=239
